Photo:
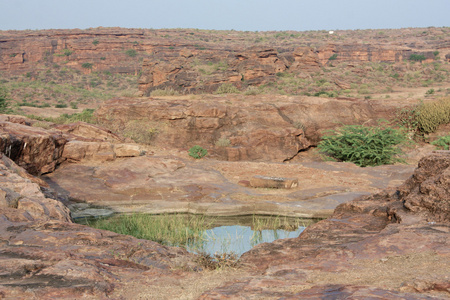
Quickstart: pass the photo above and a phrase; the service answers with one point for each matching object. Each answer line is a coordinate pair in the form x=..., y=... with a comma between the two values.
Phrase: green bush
x=333, y=57
x=432, y=114
x=364, y=145
x=87, y=65
x=197, y=152
x=442, y=143
x=67, y=52
x=417, y=57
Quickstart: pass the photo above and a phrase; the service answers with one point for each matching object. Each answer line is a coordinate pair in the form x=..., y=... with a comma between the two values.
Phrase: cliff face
x=200, y=61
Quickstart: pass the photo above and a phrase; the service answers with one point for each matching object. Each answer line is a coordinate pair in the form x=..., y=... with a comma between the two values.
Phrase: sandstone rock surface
x=260, y=128
x=400, y=252
x=40, y=150
x=393, y=244
x=44, y=255
x=161, y=183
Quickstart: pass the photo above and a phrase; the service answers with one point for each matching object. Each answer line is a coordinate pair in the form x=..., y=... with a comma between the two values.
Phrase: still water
x=203, y=234
x=238, y=239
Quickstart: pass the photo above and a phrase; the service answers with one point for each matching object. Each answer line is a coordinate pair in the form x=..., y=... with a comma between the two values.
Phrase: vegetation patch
x=223, y=142
x=442, y=143
x=131, y=52
x=164, y=92
x=432, y=114
x=4, y=100
x=227, y=88
x=167, y=229
x=197, y=152
x=87, y=115
x=140, y=132
x=364, y=145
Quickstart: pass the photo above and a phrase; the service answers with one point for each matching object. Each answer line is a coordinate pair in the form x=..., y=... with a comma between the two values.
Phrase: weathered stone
x=263, y=128
x=373, y=246
x=89, y=132
x=32, y=148
x=48, y=256
x=273, y=182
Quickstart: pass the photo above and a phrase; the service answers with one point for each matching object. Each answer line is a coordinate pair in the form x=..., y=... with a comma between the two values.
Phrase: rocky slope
x=200, y=61
x=255, y=128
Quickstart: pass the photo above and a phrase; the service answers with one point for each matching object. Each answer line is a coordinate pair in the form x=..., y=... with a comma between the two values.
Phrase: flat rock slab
x=172, y=184
x=273, y=182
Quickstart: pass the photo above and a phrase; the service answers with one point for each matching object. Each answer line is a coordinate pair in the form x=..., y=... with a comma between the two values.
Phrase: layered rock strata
x=40, y=150
x=256, y=128
x=191, y=61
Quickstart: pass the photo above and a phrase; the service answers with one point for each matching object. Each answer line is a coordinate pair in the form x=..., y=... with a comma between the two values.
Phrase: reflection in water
x=203, y=234
x=237, y=239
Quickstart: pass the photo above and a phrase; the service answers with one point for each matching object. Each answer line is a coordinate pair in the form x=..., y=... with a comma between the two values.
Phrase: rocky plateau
x=384, y=231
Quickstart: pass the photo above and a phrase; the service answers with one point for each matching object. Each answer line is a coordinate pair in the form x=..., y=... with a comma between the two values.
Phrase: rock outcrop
x=35, y=149
x=372, y=247
x=269, y=128
x=392, y=244
x=44, y=255
x=40, y=151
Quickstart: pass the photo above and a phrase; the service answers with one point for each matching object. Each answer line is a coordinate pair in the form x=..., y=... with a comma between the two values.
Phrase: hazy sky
x=252, y=15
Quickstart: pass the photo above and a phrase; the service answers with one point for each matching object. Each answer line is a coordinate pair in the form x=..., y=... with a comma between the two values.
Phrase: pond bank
x=168, y=184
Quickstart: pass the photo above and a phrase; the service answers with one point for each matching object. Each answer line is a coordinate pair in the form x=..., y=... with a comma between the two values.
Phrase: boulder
x=35, y=149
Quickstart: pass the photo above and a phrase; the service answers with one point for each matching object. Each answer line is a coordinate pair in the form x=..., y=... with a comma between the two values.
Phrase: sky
x=243, y=15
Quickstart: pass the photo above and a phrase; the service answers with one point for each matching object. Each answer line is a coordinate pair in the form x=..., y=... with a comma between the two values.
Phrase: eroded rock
x=373, y=246
x=44, y=255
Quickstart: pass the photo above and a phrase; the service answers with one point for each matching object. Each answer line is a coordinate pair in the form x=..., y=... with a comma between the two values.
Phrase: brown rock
x=89, y=132
x=373, y=246
x=32, y=148
x=262, y=128
x=273, y=182
x=427, y=191
x=47, y=256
